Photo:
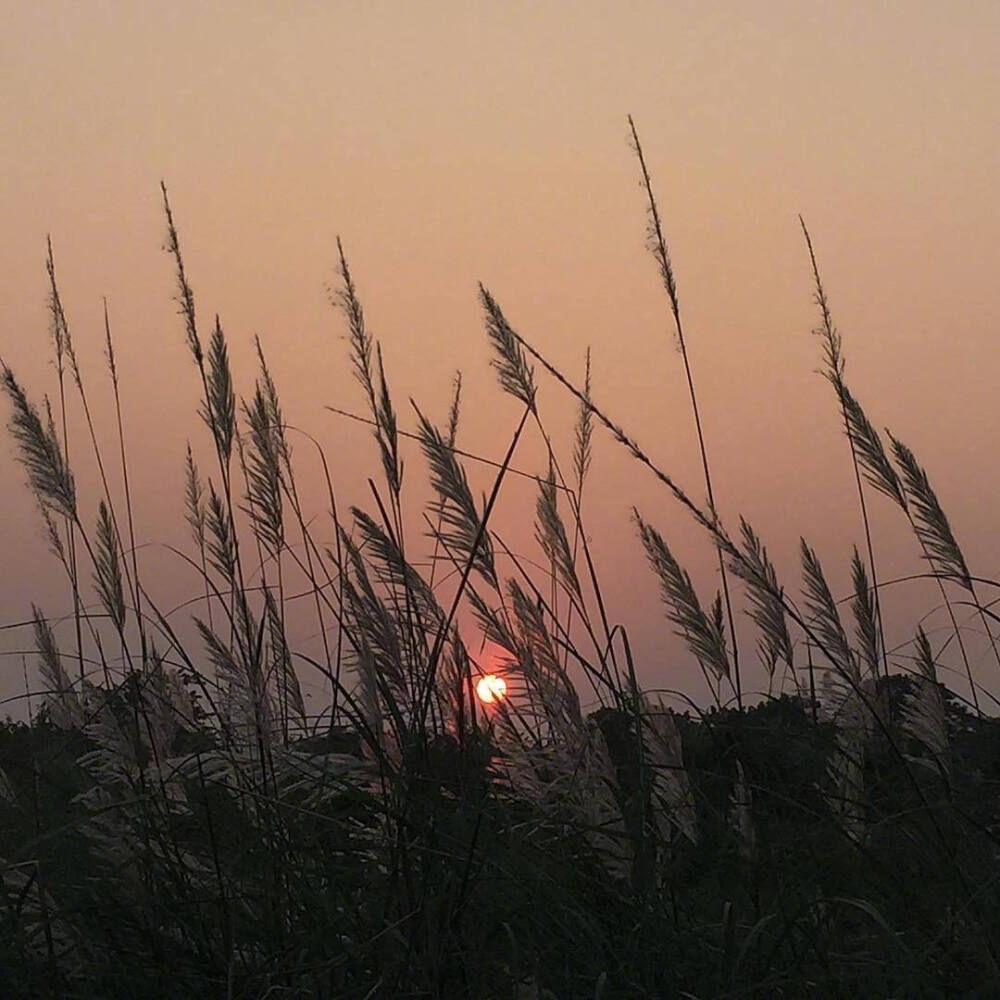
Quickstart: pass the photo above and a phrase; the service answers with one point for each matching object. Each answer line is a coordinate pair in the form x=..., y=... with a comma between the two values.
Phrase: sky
x=452, y=143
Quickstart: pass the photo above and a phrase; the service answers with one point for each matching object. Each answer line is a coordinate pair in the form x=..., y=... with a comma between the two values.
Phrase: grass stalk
x=658, y=247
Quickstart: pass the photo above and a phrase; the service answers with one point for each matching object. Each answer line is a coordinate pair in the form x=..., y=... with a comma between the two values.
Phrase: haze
x=451, y=143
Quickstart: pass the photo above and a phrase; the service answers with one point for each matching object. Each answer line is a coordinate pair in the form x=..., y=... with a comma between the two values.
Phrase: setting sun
x=491, y=688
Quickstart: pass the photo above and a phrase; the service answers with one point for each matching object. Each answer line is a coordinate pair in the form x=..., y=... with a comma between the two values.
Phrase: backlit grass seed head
x=270, y=394
x=107, y=569
x=388, y=437
x=541, y=667
x=62, y=700
x=361, y=342
x=280, y=670
x=924, y=714
x=373, y=624
x=823, y=611
x=59, y=327
x=670, y=784
x=221, y=537
x=185, y=297
x=376, y=395
x=52, y=535
x=655, y=240
x=868, y=449
x=403, y=583
x=493, y=623
x=704, y=637
x=863, y=605
x=453, y=410
x=765, y=596
x=218, y=410
x=41, y=454
x=194, y=499
x=929, y=519
x=461, y=525
x=109, y=347
x=584, y=432
x=516, y=376
x=551, y=535
x=833, y=354
x=264, y=474
x=243, y=701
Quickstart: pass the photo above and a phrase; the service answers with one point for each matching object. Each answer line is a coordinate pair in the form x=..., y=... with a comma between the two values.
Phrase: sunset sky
x=449, y=143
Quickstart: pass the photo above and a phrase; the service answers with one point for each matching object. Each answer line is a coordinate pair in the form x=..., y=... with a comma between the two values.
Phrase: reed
x=834, y=838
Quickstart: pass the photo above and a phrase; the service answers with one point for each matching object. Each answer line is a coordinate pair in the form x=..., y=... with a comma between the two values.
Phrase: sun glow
x=491, y=689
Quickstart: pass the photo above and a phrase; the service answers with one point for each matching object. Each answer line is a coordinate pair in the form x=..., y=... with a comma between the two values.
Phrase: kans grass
x=174, y=823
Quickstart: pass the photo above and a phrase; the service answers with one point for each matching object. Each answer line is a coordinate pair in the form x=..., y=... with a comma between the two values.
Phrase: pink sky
x=449, y=143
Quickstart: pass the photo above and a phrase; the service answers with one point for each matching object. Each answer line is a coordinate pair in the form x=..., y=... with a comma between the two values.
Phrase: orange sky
x=448, y=143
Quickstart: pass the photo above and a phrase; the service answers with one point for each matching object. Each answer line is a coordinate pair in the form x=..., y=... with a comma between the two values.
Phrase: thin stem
x=658, y=246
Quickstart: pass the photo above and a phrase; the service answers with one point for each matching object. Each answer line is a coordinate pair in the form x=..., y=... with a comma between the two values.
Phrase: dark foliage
x=490, y=892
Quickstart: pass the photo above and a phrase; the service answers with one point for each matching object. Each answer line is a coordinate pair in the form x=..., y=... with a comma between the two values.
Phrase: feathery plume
x=670, y=784
x=823, y=609
x=868, y=447
x=264, y=473
x=59, y=327
x=194, y=499
x=221, y=538
x=62, y=700
x=246, y=707
x=454, y=409
x=765, y=595
x=863, y=606
x=280, y=667
x=218, y=409
x=929, y=520
x=550, y=533
x=361, y=342
x=704, y=637
x=655, y=241
x=924, y=715
x=516, y=376
x=826, y=331
x=270, y=393
x=379, y=402
x=459, y=517
x=393, y=571
x=493, y=622
x=584, y=433
x=541, y=667
x=185, y=297
x=41, y=455
x=107, y=569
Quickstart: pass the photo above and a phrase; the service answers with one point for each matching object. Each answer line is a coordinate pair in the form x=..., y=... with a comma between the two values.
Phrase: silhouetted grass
x=174, y=823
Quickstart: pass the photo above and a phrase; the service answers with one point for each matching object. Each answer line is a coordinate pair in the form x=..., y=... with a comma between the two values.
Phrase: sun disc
x=491, y=689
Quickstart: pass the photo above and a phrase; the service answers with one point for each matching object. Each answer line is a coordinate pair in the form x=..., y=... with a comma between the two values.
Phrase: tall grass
x=177, y=824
